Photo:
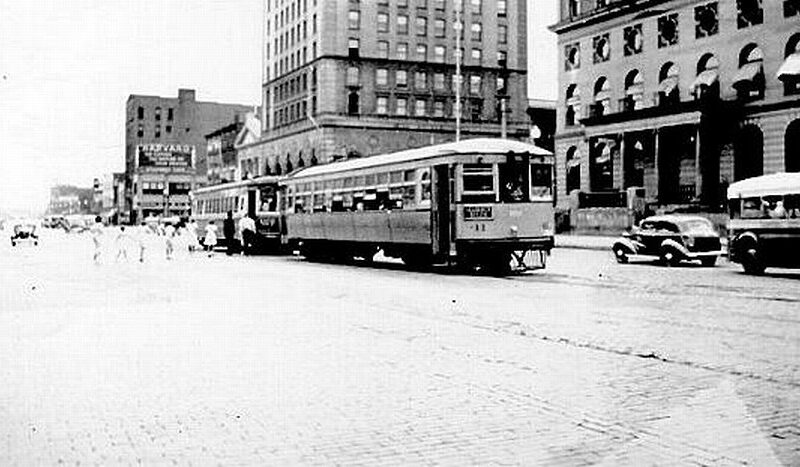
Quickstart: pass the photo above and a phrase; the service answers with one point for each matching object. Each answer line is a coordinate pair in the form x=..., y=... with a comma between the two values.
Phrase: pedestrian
x=211, y=238
x=141, y=238
x=97, y=232
x=191, y=233
x=122, y=243
x=169, y=236
x=247, y=229
x=229, y=231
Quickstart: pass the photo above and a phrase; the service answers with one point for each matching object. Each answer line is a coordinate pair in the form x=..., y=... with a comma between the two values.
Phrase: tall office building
x=679, y=97
x=347, y=77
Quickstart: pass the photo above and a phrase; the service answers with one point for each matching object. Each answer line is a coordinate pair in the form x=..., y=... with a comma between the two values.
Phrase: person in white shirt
x=247, y=227
x=211, y=238
x=97, y=233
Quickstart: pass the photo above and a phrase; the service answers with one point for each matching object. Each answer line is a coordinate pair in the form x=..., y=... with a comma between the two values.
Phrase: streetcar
x=764, y=226
x=483, y=204
x=258, y=198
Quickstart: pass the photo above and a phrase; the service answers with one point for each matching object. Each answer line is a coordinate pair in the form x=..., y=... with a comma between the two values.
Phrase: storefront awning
x=668, y=85
x=747, y=74
x=790, y=67
x=705, y=78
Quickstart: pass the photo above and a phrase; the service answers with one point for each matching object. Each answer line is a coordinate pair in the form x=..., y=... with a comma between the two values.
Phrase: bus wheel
x=752, y=264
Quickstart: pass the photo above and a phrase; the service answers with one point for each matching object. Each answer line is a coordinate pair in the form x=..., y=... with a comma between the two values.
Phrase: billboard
x=166, y=157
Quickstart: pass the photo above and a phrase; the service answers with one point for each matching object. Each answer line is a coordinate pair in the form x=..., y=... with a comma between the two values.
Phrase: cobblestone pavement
x=277, y=361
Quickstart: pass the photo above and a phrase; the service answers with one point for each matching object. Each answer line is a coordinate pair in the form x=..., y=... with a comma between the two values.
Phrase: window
x=438, y=81
x=353, y=76
x=352, y=47
x=438, y=109
x=667, y=30
x=419, y=107
x=354, y=19
x=791, y=8
x=438, y=53
x=573, y=169
x=500, y=84
x=749, y=13
x=401, y=107
x=749, y=81
x=632, y=36
x=402, y=51
x=401, y=78
x=502, y=59
x=789, y=72
x=706, y=20
x=574, y=7
x=634, y=91
x=478, y=183
x=383, y=22
x=572, y=56
x=381, y=77
x=420, y=80
x=476, y=5
x=573, y=102
x=353, y=103
x=383, y=49
x=381, y=105
x=514, y=181
x=168, y=128
x=158, y=113
x=422, y=26
x=140, y=131
x=502, y=34
x=476, y=56
x=602, y=97
x=422, y=52
x=475, y=84
x=438, y=28
x=140, y=113
x=477, y=31
x=402, y=24
x=158, y=131
x=668, y=78
x=601, y=45
x=502, y=7
x=439, y=4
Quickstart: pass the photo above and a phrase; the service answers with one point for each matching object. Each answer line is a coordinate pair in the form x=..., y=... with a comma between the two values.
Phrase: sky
x=68, y=66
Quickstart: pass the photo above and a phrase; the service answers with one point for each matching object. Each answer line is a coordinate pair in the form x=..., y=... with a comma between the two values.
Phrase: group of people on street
x=173, y=237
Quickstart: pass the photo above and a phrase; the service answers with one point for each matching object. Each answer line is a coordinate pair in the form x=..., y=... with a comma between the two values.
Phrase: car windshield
x=697, y=227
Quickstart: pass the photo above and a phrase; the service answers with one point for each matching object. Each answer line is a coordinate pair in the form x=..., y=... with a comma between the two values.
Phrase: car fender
x=670, y=243
x=628, y=244
x=746, y=237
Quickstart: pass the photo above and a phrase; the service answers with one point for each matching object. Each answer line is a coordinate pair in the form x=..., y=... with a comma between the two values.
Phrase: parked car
x=24, y=232
x=671, y=238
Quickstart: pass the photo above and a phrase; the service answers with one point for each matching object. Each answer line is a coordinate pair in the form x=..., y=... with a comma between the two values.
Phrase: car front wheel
x=669, y=257
x=621, y=255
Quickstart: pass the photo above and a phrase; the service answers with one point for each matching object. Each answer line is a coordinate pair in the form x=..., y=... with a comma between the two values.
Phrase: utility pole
x=503, y=120
x=459, y=26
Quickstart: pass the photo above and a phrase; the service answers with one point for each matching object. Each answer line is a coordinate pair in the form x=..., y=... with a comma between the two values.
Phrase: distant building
x=542, y=114
x=221, y=152
x=69, y=199
x=248, y=148
x=165, y=150
x=362, y=78
x=678, y=97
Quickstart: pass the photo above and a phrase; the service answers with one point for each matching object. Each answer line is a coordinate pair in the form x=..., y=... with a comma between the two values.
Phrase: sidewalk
x=586, y=242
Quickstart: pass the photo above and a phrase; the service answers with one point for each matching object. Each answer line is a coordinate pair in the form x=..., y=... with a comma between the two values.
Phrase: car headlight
x=689, y=241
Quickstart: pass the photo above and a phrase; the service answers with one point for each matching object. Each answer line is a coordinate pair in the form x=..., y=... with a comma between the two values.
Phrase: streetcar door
x=440, y=211
x=251, y=203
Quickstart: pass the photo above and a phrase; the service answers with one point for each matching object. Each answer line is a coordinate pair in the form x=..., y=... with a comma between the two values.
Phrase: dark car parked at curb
x=671, y=238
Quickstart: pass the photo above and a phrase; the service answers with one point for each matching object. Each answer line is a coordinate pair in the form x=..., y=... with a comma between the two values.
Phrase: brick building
x=221, y=152
x=165, y=150
x=343, y=77
x=679, y=97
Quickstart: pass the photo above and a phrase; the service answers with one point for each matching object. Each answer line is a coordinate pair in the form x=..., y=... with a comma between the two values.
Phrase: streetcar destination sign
x=166, y=157
x=475, y=213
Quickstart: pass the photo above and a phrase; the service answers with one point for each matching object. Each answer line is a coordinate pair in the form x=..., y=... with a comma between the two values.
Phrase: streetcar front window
x=269, y=202
x=514, y=186
x=478, y=183
x=541, y=181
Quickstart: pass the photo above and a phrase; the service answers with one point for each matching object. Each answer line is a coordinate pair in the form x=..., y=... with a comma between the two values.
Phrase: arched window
x=749, y=80
x=573, y=169
x=573, y=101
x=601, y=167
x=748, y=153
x=634, y=91
x=668, y=80
x=791, y=152
x=602, y=97
x=706, y=84
x=352, y=103
x=789, y=72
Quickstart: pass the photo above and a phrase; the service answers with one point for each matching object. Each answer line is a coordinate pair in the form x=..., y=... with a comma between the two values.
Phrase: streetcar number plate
x=474, y=213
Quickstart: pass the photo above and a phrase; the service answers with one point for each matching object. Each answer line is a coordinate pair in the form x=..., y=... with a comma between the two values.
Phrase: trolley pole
x=503, y=120
x=459, y=26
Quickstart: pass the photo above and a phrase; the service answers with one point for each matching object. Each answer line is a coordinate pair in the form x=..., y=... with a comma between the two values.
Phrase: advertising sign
x=166, y=157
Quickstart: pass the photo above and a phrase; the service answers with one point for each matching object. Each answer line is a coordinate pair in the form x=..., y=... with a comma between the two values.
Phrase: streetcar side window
x=425, y=187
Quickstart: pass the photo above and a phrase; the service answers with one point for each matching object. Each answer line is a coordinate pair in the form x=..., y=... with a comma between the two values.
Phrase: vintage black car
x=671, y=238
x=24, y=233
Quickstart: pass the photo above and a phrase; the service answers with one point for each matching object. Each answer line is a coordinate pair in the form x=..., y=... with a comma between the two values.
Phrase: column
x=698, y=168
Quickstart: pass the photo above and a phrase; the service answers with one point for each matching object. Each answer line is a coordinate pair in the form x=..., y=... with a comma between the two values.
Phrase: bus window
x=751, y=208
x=514, y=184
x=541, y=181
x=409, y=194
x=478, y=183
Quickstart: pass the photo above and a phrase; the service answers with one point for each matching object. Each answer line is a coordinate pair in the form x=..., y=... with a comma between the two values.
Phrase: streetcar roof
x=489, y=146
x=266, y=179
x=766, y=185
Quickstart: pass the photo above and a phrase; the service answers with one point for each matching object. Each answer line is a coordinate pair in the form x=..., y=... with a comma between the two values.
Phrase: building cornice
x=604, y=14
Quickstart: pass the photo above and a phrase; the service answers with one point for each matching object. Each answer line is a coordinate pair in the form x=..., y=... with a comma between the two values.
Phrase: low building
x=70, y=199
x=221, y=152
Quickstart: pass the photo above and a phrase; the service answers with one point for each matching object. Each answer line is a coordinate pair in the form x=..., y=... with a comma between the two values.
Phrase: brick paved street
x=277, y=361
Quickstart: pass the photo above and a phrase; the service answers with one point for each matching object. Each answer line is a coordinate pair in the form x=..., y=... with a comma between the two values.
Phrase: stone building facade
x=345, y=78
x=679, y=97
x=165, y=151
